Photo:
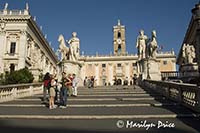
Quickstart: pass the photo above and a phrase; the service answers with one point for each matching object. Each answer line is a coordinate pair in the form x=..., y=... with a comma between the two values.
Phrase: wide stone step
x=92, y=101
x=101, y=125
x=130, y=110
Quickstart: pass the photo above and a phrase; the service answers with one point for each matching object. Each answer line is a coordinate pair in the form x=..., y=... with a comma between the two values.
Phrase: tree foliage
x=19, y=76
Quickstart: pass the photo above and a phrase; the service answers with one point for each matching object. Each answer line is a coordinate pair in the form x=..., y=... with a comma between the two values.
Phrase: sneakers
x=53, y=107
x=74, y=95
x=62, y=107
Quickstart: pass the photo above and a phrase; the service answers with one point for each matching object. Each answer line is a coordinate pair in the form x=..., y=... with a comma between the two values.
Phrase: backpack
x=49, y=84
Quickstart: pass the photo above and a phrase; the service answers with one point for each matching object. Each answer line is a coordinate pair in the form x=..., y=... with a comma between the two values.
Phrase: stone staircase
x=101, y=109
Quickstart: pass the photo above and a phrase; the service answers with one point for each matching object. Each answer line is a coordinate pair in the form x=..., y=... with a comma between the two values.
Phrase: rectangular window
x=103, y=65
x=165, y=62
x=119, y=65
x=12, y=67
x=134, y=64
x=12, y=47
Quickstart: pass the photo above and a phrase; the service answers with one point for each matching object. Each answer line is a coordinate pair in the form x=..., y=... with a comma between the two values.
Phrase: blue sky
x=93, y=20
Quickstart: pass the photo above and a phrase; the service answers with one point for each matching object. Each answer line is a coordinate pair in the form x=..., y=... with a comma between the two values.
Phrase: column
x=97, y=74
x=127, y=71
x=110, y=71
x=83, y=72
x=2, y=50
x=21, y=49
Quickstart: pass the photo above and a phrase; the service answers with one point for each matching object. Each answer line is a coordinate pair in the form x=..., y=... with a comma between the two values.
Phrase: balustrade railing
x=186, y=94
x=11, y=92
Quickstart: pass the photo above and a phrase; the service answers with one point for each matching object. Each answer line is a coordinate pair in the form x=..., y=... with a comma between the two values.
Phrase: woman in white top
x=52, y=94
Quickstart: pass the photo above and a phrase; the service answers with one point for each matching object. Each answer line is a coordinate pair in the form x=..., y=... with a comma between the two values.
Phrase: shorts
x=52, y=92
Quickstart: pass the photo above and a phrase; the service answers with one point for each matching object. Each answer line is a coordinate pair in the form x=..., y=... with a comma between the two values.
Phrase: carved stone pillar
x=110, y=70
x=127, y=70
x=97, y=74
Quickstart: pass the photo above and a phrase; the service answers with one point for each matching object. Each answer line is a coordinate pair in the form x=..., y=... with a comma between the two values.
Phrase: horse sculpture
x=64, y=50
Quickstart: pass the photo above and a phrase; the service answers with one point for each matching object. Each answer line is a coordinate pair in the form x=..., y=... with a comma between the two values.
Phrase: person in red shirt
x=69, y=85
x=46, y=86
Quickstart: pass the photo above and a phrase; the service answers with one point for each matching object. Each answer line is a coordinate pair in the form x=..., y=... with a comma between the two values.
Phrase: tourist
x=89, y=82
x=134, y=80
x=63, y=91
x=46, y=86
x=69, y=85
x=74, y=85
x=52, y=93
x=92, y=82
x=85, y=82
x=56, y=91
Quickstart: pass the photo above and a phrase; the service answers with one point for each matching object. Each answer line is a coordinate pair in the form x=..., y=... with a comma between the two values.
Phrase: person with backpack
x=46, y=86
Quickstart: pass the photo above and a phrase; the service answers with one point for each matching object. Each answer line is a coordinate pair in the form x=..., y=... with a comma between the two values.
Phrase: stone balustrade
x=13, y=12
x=11, y=92
x=186, y=94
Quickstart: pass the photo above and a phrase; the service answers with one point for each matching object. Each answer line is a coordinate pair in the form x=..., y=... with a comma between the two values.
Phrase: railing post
x=31, y=90
x=198, y=99
x=14, y=93
x=180, y=99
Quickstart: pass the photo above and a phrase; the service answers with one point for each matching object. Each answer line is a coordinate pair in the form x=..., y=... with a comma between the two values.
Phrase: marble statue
x=63, y=49
x=6, y=6
x=193, y=55
x=188, y=53
x=74, y=43
x=141, y=45
x=152, y=47
x=27, y=7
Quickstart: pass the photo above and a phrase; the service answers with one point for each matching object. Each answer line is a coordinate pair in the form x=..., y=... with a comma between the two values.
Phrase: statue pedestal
x=189, y=70
x=71, y=67
x=149, y=69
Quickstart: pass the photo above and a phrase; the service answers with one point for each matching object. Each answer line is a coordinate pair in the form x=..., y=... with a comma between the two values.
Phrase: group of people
x=89, y=82
x=58, y=91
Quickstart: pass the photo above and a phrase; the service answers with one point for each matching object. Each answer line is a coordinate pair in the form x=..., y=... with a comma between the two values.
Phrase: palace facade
x=23, y=44
x=120, y=64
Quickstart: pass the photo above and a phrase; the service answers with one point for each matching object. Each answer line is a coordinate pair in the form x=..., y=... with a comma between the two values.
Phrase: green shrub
x=19, y=76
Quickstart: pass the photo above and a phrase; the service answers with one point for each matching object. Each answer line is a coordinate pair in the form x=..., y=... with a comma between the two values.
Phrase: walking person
x=46, y=86
x=52, y=93
x=69, y=85
x=85, y=82
x=74, y=85
x=134, y=81
x=63, y=91
x=92, y=82
x=56, y=91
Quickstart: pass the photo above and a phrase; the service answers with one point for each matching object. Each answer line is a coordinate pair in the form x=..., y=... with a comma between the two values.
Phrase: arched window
x=119, y=48
x=119, y=35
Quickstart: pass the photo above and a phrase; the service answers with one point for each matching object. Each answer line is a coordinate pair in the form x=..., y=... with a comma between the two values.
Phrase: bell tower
x=119, y=42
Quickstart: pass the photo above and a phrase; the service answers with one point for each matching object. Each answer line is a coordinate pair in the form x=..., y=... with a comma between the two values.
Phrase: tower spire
x=118, y=22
